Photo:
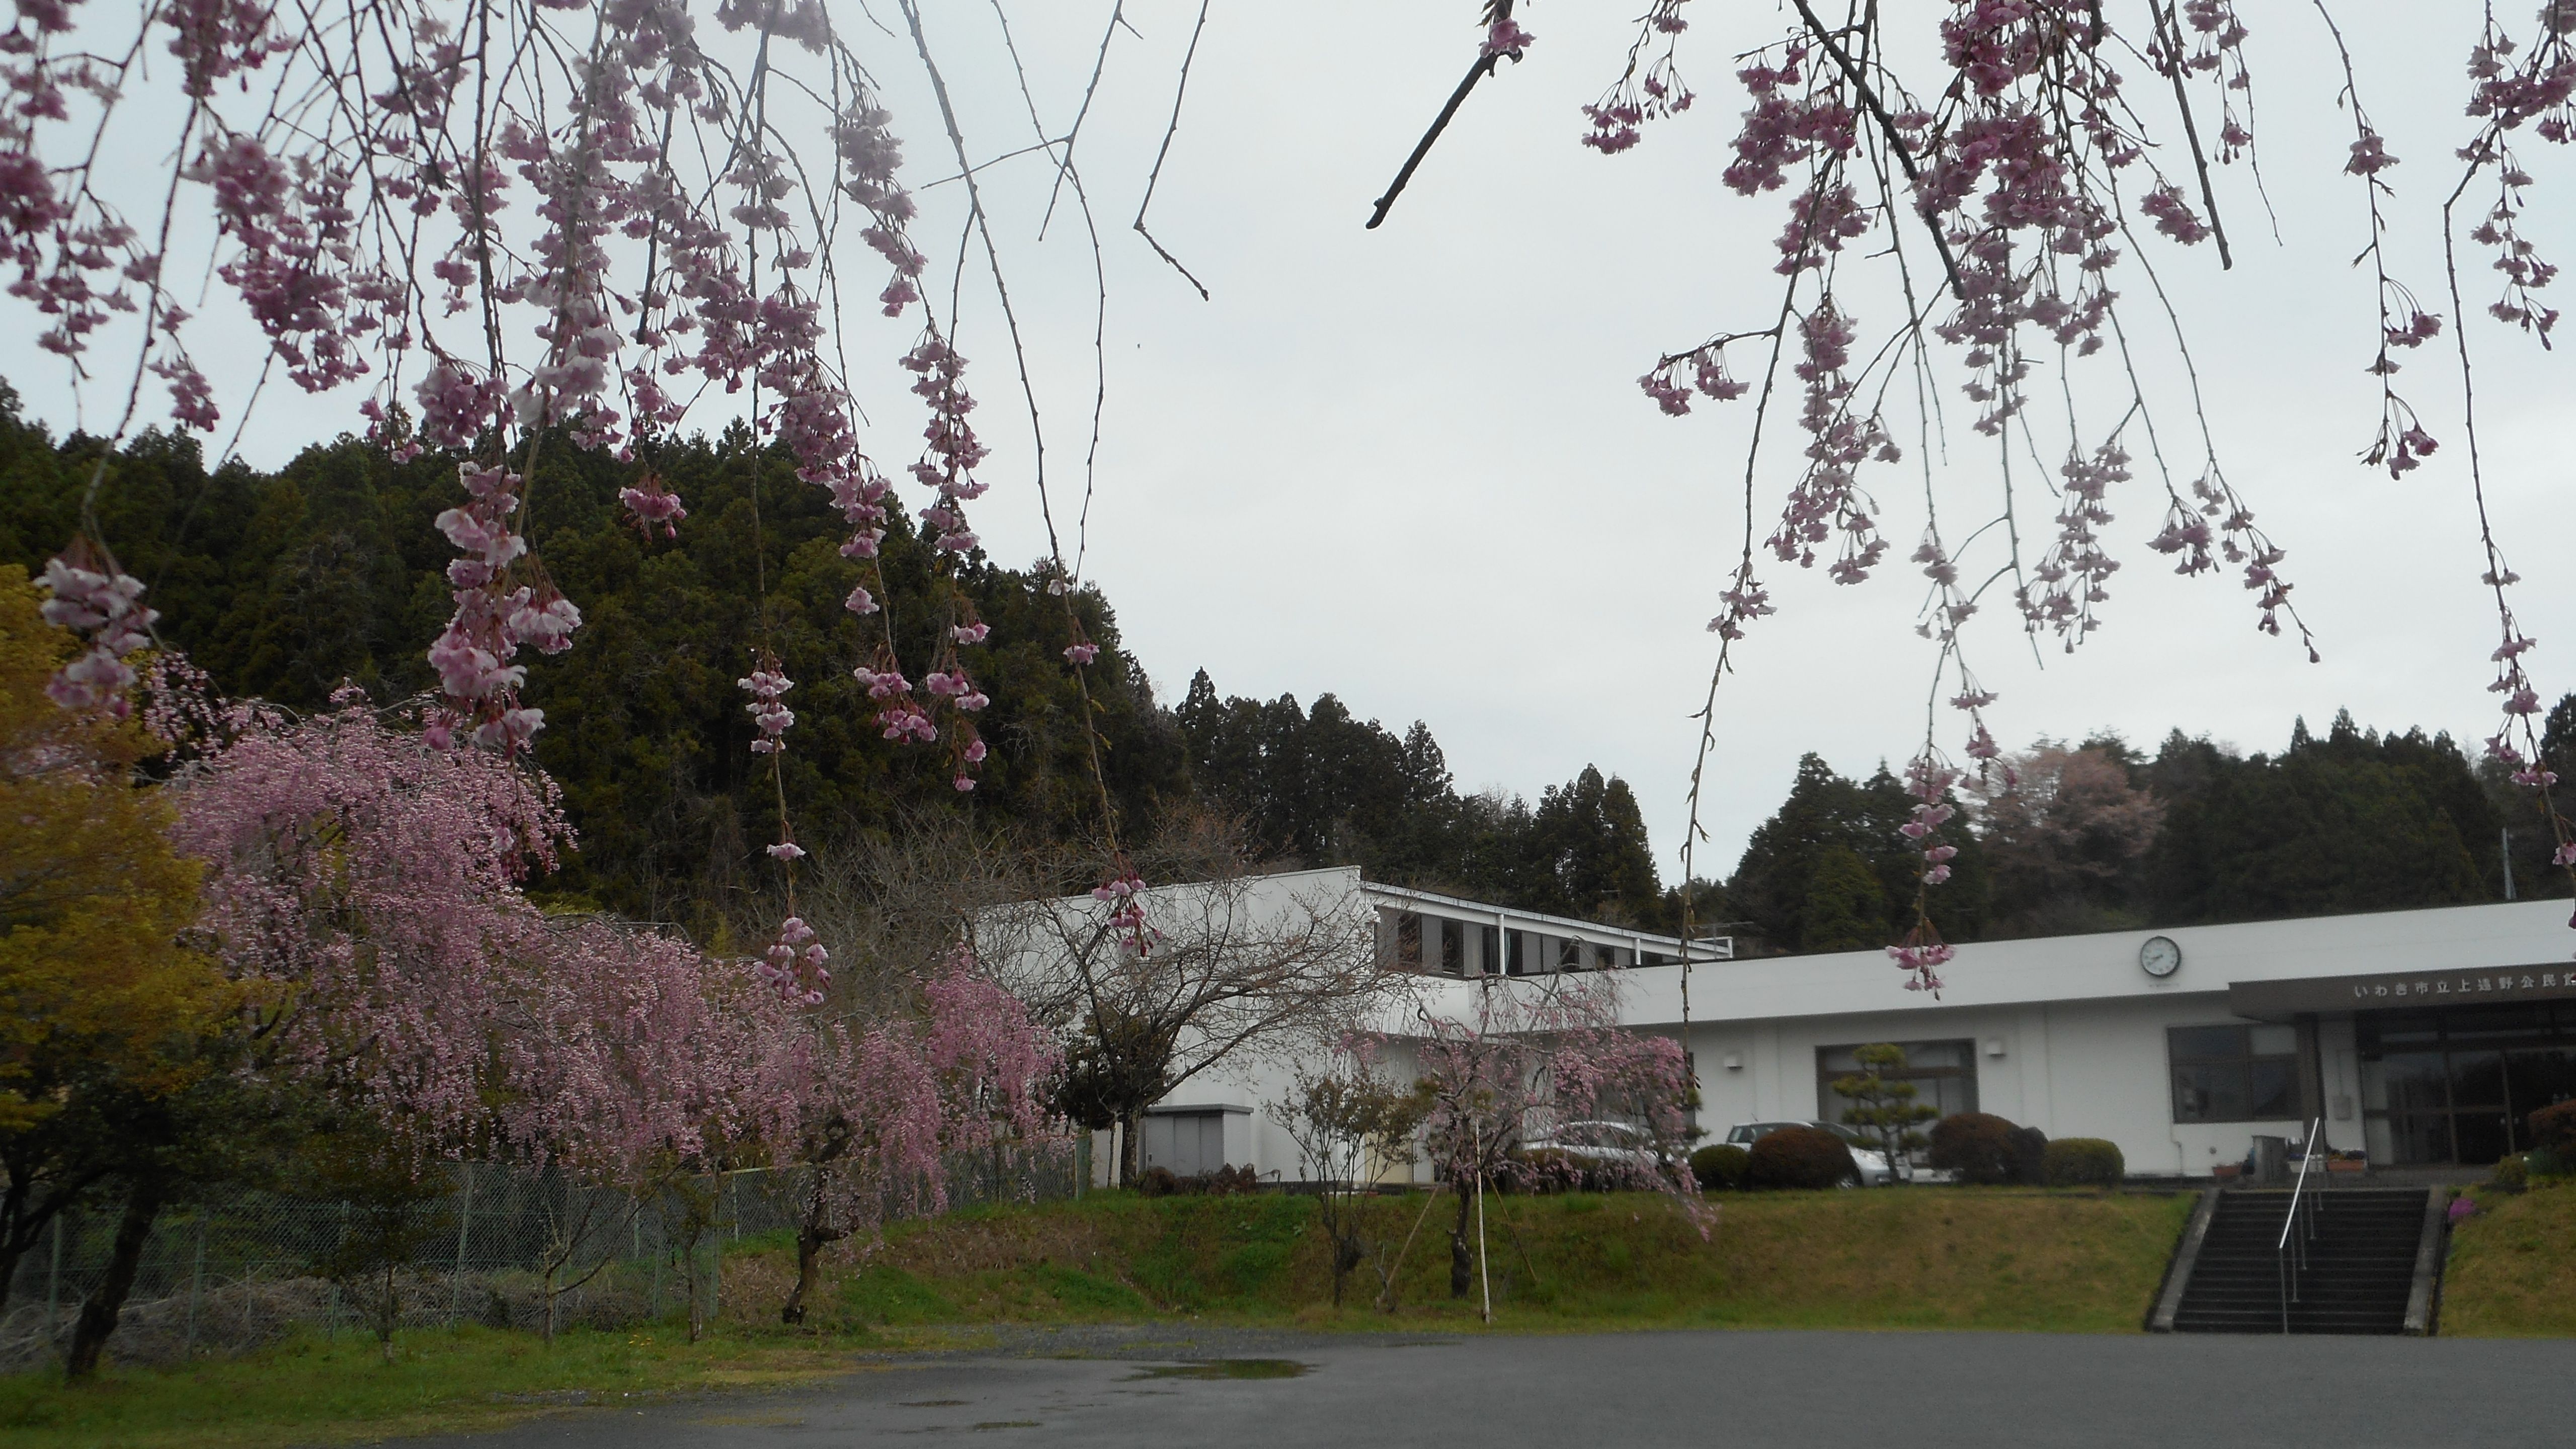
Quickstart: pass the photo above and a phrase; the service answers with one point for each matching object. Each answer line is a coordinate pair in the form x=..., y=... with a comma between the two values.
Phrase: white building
x=2423, y=1037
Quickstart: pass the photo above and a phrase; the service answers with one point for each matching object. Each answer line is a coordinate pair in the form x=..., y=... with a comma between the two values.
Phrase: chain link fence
x=237, y=1268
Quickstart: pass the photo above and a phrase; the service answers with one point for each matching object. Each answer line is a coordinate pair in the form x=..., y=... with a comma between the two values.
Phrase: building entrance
x=2459, y=1084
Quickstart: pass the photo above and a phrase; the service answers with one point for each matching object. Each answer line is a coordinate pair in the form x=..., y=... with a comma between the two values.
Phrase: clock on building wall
x=2160, y=957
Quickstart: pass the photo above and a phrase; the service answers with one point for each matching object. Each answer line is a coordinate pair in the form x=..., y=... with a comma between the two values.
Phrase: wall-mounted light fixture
x=1735, y=1061
x=1994, y=1046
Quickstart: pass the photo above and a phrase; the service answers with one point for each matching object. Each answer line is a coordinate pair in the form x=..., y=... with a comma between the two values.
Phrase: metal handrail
x=2286, y=1265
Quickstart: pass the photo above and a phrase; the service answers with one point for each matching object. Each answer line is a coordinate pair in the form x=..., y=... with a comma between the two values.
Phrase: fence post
x=464, y=1226
x=54, y=1281
x=331, y=1313
x=197, y=1283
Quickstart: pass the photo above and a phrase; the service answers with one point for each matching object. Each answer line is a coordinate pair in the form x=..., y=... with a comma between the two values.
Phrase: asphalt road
x=1705, y=1390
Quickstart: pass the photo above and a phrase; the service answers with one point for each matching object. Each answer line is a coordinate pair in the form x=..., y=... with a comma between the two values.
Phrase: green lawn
x=2513, y=1266
x=313, y=1390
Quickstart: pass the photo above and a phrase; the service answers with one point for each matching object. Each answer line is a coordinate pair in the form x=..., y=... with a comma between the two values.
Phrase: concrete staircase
x=2360, y=1274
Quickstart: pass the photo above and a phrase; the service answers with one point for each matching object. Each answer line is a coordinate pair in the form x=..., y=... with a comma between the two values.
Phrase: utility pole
x=2506, y=850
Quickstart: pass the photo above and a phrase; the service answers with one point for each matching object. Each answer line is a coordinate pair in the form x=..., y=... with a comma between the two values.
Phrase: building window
x=1944, y=1074
x=1489, y=957
x=1408, y=941
x=1569, y=955
x=2234, y=1073
x=1453, y=948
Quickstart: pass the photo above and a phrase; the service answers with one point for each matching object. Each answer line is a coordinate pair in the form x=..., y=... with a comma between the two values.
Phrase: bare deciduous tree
x=1227, y=965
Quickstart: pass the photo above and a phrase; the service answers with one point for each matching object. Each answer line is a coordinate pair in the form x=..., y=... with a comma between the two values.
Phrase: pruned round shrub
x=2512, y=1174
x=1976, y=1147
x=1721, y=1167
x=2030, y=1155
x=1157, y=1182
x=2083, y=1162
x=1800, y=1157
x=2553, y=1128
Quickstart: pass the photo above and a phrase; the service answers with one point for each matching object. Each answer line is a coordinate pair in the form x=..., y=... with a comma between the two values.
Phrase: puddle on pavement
x=1223, y=1368
x=931, y=1404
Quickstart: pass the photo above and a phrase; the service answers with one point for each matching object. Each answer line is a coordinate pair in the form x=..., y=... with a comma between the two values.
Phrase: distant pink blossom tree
x=366, y=883
x=868, y=1117
x=366, y=886
x=2060, y=825
x=625, y=1059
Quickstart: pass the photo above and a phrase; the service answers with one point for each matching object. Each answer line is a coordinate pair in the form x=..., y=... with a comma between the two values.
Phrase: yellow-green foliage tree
x=104, y=1012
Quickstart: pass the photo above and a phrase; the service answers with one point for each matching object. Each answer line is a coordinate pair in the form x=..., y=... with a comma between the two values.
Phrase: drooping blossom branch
x=571, y=221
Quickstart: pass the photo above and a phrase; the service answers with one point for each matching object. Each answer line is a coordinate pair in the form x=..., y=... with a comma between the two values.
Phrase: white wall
x=2082, y=1027
x=2080, y=1069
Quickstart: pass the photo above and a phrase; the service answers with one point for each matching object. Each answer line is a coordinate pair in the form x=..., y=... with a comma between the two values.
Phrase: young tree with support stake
x=505, y=232
x=1520, y=1056
x=1352, y=1122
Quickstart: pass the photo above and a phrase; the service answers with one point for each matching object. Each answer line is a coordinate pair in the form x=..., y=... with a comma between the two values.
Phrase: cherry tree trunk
x=98, y=1315
x=1462, y=1257
x=810, y=1243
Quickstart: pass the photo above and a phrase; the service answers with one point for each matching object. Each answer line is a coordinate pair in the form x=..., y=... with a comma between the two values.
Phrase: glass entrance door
x=2533, y=1080
x=2459, y=1084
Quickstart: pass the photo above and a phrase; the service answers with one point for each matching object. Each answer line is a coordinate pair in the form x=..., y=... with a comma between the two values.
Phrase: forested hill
x=283, y=584
x=2102, y=836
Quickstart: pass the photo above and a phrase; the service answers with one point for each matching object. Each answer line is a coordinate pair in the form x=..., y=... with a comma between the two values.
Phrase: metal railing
x=2298, y=1225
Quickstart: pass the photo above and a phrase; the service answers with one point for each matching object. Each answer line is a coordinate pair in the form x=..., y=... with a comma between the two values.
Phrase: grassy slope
x=1947, y=1258
x=1928, y=1258
x=2513, y=1266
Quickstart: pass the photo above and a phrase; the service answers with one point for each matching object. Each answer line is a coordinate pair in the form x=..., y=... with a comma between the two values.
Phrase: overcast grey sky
x=1412, y=467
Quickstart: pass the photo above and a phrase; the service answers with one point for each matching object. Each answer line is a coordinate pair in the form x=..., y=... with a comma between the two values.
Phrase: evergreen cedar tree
x=1318, y=786
x=648, y=738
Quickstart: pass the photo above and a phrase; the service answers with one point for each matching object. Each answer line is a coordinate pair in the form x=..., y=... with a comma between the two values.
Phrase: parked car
x=1606, y=1144
x=1871, y=1162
